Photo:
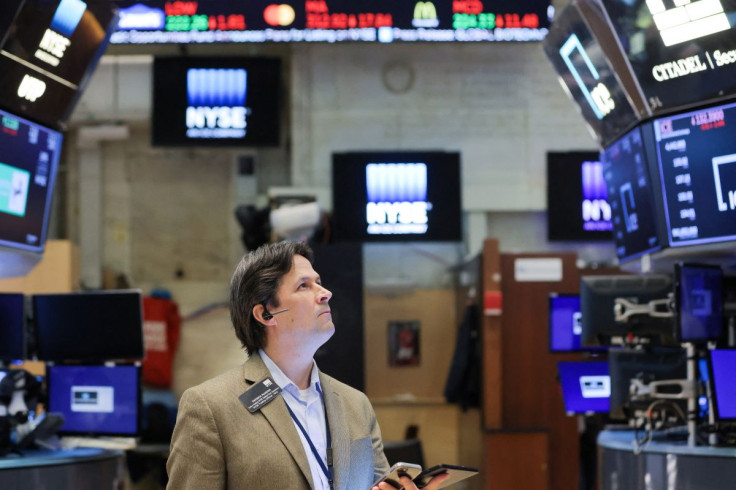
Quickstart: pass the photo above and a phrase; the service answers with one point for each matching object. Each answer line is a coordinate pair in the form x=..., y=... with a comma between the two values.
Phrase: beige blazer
x=217, y=443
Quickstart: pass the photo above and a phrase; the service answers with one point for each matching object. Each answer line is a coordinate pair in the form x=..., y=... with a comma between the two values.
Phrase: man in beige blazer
x=237, y=431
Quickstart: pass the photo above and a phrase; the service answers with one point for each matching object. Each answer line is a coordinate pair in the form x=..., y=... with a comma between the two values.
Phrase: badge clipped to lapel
x=260, y=394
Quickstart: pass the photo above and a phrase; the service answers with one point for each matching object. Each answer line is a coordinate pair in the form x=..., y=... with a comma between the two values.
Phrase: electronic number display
x=385, y=21
x=630, y=195
x=696, y=153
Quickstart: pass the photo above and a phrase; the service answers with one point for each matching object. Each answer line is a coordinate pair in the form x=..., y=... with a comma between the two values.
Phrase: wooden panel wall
x=517, y=460
x=492, y=346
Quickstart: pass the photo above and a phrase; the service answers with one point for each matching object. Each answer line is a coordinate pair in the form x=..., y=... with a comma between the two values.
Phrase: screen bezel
x=564, y=399
x=714, y=390
x=550, y=329
x=677, y=280
x=86, y=359
x=139, y=398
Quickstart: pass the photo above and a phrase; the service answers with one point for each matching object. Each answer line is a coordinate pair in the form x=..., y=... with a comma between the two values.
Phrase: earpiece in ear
x=267, y=316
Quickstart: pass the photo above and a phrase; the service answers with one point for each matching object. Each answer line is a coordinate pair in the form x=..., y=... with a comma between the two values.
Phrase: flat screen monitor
x=89, y=326
x=96, y=400
x=698, y=302
x=577, y=198
x=586, y=386
x=49, y=53
x=681, y=52
x=696, y=154
x=333, y=21
x=723, y=365
x=598, y=296
x=587, y=76
x=565, y=324
x=29, y=158
x=645, y=365
x=213, y=101
x=12, y=326
x=630, y=194
x=396, y=196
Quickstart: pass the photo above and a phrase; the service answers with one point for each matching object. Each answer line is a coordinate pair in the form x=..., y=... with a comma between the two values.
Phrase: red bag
x=161, y=329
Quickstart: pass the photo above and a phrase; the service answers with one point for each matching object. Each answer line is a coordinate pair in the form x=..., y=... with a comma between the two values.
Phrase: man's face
x=309, y=319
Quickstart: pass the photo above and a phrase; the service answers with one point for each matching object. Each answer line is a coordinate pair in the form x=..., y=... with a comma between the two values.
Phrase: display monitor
x=645, y=365
x=587, y=76
x=383, y=21
x=696, y=154
x=577, y=199
x=96, y=400
x=630, y=194
x=213, y=101
x=396, y=196
x=680, y=51
x=586, y=386
x=29, y=158
x=51, y=49
x=698, y=302
x=598, y=295
x=565, y=324
x=12, y=326
x=89, y=326
x=722, y=367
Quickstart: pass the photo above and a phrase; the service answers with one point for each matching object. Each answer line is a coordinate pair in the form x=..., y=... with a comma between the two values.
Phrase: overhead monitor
x=577, y=198
x=646, y=366
x=89, y=326
x=565, y=324
x=96, y=400
x=723, y=365
x=696, y=154
x=586, y=386
x=698, y=302
x=29, y=158
x=396, y=196
x=587, y=76
x=681, y=52
x=331, y=21
x=213, y=101
x=598, y=295
x=12, y=327
x=631, y=196
x=49, y=53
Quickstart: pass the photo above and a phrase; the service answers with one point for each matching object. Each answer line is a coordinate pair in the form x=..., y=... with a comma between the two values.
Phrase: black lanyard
x=327, y=470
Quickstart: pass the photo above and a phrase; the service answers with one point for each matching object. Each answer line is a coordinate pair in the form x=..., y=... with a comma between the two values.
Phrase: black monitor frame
x=23, y=327
x=679, y=267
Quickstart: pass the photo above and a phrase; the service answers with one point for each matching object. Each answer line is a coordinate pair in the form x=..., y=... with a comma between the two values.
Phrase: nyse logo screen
x=595, y=208
x=56, y=39
x=216, y=103
x=397, y=198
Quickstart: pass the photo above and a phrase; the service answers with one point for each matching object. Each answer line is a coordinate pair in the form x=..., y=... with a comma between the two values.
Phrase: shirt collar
x=283, y=381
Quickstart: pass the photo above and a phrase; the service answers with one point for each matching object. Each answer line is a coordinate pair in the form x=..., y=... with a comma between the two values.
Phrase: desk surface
x=44, y=457
x=623, y=440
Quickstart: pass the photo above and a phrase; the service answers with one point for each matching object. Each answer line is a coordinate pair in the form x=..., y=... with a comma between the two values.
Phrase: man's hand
x=434, y=483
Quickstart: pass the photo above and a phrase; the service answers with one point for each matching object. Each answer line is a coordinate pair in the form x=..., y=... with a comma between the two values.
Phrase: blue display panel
x=681, y=52
x=29, y=158
x=235, y=21
x=96, y=400
x=12, y=327
x=216, y=101
x=396, y=196
x=565, y=324
x=588, y=77
x=696, y=153
x=723, y=365
x=630, y=194
x=699, y=302
x=586, y=386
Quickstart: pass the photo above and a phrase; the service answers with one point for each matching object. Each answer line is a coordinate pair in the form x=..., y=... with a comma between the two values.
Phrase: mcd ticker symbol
x=279, y=15
x=472, y=7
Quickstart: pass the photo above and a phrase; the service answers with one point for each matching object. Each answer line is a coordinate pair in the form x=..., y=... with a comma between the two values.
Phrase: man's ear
x=261, y=314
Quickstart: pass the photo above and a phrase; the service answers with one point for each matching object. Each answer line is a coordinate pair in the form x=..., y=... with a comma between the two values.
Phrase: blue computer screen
x=565, y=324
x=96, y=399
x=586, y=386
x=699, y=302
x=723, y=364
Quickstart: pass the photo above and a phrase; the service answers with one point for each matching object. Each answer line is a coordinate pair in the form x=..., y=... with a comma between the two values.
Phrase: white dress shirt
x=308, y=408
